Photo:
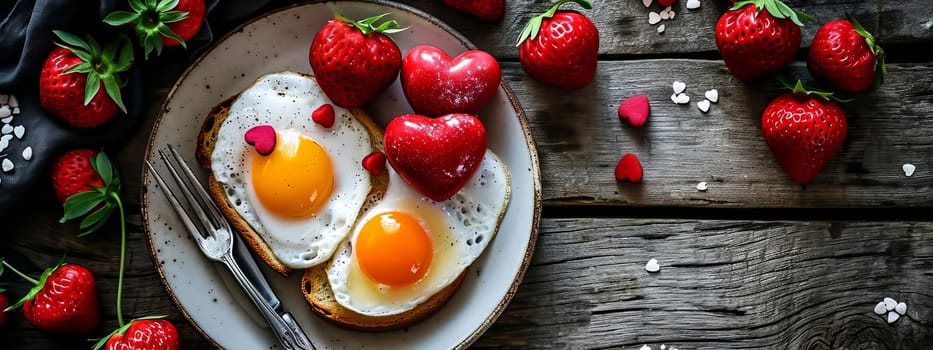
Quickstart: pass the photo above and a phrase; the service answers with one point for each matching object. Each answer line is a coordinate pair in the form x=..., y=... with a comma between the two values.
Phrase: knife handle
x=286, y=331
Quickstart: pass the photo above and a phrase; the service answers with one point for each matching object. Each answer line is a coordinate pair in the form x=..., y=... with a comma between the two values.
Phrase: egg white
x=286, y=101
x=461, y=229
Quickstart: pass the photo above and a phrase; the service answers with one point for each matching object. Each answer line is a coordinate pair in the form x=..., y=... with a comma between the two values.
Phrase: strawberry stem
x=368, y=25
x=20, y=274
x=534, y=25
x=116, y=198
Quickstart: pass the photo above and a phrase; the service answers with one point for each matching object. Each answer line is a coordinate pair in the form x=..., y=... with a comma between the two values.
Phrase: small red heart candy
x=435, y=84
x=375, y=163
x=635, y=109
x=261, y=137
x=324, y=115
x=628, y=168
x=666, y=2
x=438, y=156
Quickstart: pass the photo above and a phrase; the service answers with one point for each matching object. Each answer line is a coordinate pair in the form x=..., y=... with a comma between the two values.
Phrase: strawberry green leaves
x=534, y=25
x=368, y=25
x=100, y=65
x=37, y=284
x=150, y=19
x=99, y=203
x=777, y=9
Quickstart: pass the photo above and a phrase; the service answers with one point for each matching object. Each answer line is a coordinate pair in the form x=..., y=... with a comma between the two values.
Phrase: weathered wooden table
x=753, y=262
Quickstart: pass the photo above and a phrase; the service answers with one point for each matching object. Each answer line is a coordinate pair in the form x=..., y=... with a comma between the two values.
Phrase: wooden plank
x=722, y=285
x=580, y=138
x=624, y=29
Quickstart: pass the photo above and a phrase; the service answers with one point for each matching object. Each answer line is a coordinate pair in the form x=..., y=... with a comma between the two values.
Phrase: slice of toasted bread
x=316, y=289
x=207, y=138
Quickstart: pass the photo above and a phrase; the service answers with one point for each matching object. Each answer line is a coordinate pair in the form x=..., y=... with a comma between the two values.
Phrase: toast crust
x=207, y=138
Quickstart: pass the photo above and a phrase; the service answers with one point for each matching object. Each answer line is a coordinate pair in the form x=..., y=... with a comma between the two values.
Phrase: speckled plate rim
x=513, y=100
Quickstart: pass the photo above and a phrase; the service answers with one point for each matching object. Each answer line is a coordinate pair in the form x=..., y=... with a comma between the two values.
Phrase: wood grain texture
x=722, y=285
x=624, y=29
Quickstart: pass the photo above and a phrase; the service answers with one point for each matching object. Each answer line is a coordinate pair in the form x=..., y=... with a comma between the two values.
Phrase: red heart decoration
x=628, y=168
x=375, y=163
x=635, y=109
x=436, y=156
x=436, y=85
x=324, y=115
x=262, y=137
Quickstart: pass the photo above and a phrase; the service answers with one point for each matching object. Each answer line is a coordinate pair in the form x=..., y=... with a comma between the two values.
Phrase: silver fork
x=215, y=238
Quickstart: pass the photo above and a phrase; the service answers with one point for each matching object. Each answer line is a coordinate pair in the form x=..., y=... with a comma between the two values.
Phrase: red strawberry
x=754, y=41
x=355, y=61
x=143, y=334
x=559, y=48
x=845, y=55
x=75, y=76
x=3, y=305
x=161, y=23
x=487, y=10
x=72, y=173
x=666, y=2
x=63, y=300
x=804, y=129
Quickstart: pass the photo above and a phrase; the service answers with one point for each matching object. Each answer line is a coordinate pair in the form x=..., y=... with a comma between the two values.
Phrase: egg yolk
x=296, y=179
x=394, y=249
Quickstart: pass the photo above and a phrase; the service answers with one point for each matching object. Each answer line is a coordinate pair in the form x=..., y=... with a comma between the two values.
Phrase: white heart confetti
x=15, y=110
x=645, y=347
x=702, y=187
x=647, y=3
x=893, y=316
x=5, y=111
x=679, y=86
x=712, y=95
x=682, y=99
x=663, y=347
x=693, y=4
x=661, y=28
x=652, y=266
x=4, y=143
x=19, y=131
x=7, y=165
x=889, y=304
x=879, y=309
x=703, y=106
x=27, y=153
x=665, y=15
x=6, y=129
x=653, y=18
x=909, y=169
x=6, y=120
x=901, y=308
x=672, y=14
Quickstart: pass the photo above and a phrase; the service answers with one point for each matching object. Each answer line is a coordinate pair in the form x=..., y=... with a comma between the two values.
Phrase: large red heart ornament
x=435, y=84
x=436, y=156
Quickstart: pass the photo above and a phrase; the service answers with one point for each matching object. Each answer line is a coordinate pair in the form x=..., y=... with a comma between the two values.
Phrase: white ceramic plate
x=280, y=41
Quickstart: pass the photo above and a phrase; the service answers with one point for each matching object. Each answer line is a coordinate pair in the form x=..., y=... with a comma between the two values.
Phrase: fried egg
x=406, y=247
x=302, y=198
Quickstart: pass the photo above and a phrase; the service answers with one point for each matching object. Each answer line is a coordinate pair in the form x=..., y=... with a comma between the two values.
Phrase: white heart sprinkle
x=909, y=169
x=6, y=137
x=672, y=14
x=682, y=99
x=645, y=347
x=712, y=95
x=661, y=28
x=15, y=110
x=879, y=309
x=679, y=86
x=13, y=102
x=674, y=98
x=6, y=129
x=7, y=165
x=6, y=120
x=663, y=346
x=901, y=308
x=5, y=111
x=27, y=153
x=703, y=106
x=652, y=266
x=665, y=15
x=653, y=18
x=693, y=4
x=4, y=143
x=893, y=316
x=702, y=186
x=889, y=304
x=4, y=99
x=19, y=131
x=647, y=3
